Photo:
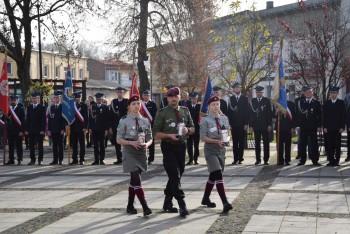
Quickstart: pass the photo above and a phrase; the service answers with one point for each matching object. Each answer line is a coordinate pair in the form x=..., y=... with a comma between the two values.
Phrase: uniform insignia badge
x=133, y=127
x=172, y=124
x=213, y=129
x=132, y=133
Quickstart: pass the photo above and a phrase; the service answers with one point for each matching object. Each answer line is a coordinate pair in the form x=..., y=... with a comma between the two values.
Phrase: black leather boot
x=206, y=201
x=227, y=206
x=146, y=209
x=182, y=208
x=130, y=209
x=168, y=205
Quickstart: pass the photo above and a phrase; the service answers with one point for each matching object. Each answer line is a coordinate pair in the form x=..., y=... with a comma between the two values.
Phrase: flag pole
x=68, y=142
x=278, y=136
x=5, y=129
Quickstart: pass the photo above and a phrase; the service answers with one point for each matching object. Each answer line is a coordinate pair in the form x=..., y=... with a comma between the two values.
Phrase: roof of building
x=120, y=65
x=101, y=84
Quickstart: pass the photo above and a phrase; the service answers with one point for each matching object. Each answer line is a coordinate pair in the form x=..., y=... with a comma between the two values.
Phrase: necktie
x=34, y=106
x=193, y=106
x=137, y=123
x=218, y=126
x=258, y=99
x=237, y=98
x=177, y=114
x=98, y=105
x=56, y=106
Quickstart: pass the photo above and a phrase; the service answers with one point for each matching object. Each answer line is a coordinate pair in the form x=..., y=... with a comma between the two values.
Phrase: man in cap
x=223, y=103
x=309, y=119
x=56, y=128
x=261, y=124
x=333, y=125
x=118, y=109
x=150, y=111
x=99, y=124
x=15, y=130
x=185, y=99
x=193, y=140
x=78, y=129
x=35, y=128
x=238, y=109
x=172, y=126
x=164, y=101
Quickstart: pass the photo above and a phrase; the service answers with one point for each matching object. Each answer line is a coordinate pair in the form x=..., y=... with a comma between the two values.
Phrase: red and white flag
x=4, y=89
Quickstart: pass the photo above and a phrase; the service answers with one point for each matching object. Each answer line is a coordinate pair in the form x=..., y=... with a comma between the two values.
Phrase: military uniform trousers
x=266, y=144
x=348, y=142
x=118, y=148
x=333, y=146
x=36, y=139
x=285, y=144
x=76, y=137
x=304, y=135
x=99, y=145
x=174, y=165
x=57, y=147
x=238, y=136
x=15, y=141
x=193, y=142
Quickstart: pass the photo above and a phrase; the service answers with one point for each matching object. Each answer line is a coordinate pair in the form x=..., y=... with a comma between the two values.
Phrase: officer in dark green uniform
x=172, y=126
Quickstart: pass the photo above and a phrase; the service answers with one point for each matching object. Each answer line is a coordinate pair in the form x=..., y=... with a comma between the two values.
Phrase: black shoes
x=266, y=163
x=117, y=162
x=182, y=208
x=189, y=163
x=150, y=163
x=206, y=202
x=347, y=159
x=196, y=163
x=102, y=163
x=227, y=207
x=234, y=162
x=257, y=162
x=40, y=163
x=168, y=205
x=130, y=209
x=54, y=163
x=31, y=163
x=10, y=162
x=95, y=163
x=316, y=164
x=75, y=162
x=300, y=164
x=146, y=209
x=81, y=163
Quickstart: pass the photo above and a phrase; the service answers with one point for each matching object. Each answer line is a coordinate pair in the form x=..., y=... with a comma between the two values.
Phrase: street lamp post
x=40, y=57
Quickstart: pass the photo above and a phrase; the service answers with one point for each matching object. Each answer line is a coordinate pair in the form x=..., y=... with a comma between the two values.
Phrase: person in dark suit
x=56, y=128
x=185, y=99
x=309, y=119
x=238, y=109
x=35, y=128
x=78, y=129
x=287, y=129
x=333, y=125
x=118, y=109
x=193, y=140
x=15, y=131
x=99, y=124
x=150, y=114
x=261, y=123
x=223, y=103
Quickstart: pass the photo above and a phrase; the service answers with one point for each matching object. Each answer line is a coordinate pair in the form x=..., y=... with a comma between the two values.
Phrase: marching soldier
x=193, y=140
x=172, y=125
x=238, y=109
x=309, y=119
x=35, y=128
x=150, y=114
x=118, y=109
x=214, y=151
x=56, y=129
x=333, y=125
x=99, y=124
x=261, y=123
x=223, y=103
x=15, y=131
x=78, y=130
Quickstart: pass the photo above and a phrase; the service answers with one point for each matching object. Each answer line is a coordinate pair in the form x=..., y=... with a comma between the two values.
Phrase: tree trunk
x=142, y=46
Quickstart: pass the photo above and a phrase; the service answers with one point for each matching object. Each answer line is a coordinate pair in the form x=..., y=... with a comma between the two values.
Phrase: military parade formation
x=133, y=124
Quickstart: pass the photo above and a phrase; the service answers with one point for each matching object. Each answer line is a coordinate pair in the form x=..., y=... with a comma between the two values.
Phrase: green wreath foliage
x=45, y=89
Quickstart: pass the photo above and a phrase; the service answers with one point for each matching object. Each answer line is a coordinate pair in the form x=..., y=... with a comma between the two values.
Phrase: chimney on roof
x=269, y=4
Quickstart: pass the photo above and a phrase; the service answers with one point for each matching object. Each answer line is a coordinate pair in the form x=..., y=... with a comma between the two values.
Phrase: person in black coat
x=185, y=99
x=193, y=140
x=118, y=109
x=78, y=129
x=99, y=124
x=35, y=128
x=333, y=125
x=56, y=129
x=150, y=114
x=238, y=109
x=309, y=119
x=287, y=129
x=223, y=103
x=15, y=130
x=261, y=123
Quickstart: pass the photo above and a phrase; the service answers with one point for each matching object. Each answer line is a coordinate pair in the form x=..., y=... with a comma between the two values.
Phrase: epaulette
x=161, y=109
x=124, y=117
x=222, y=114
x=205, y=115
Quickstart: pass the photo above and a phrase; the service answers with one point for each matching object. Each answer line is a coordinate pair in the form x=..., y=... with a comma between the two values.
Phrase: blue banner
x=68, y=111
x=207, y=95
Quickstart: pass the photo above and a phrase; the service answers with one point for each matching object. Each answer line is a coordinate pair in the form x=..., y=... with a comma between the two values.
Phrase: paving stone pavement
x=92, y=199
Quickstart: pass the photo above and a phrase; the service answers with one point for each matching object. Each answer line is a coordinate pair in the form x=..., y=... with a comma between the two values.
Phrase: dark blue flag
x=68, y=110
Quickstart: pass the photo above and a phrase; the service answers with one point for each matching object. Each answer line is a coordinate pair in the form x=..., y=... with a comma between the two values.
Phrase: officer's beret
x=77, y=94
x=306, y=88
x=120, y=88
x=35, y=94
x=334, y=89
x=173, y=92
x=57, y=93
x=169, y=86
x=194, y=95
x=213, y=99
x=146, y=92
x=237, y=84
x=259, y=88
x=216, y=88
x=13, y=97
x=99, y=95
x=133, y=99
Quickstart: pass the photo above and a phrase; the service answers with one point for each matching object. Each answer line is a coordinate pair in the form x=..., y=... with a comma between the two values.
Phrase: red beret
x=173, y=92
x=213, y=99
x=133, y=98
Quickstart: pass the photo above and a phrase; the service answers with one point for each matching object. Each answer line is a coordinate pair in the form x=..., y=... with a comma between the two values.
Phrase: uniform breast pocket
x=131, y=130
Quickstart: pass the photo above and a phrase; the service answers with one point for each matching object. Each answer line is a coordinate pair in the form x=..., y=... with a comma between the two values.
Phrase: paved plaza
x=92, y=199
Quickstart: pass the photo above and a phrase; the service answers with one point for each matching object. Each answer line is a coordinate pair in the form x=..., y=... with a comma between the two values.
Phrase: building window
x=81, y=74
x=57, y=72
x=46, y=71
x=65, y=69
x=9, y=68
x=72, y=72
x=268, y=91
